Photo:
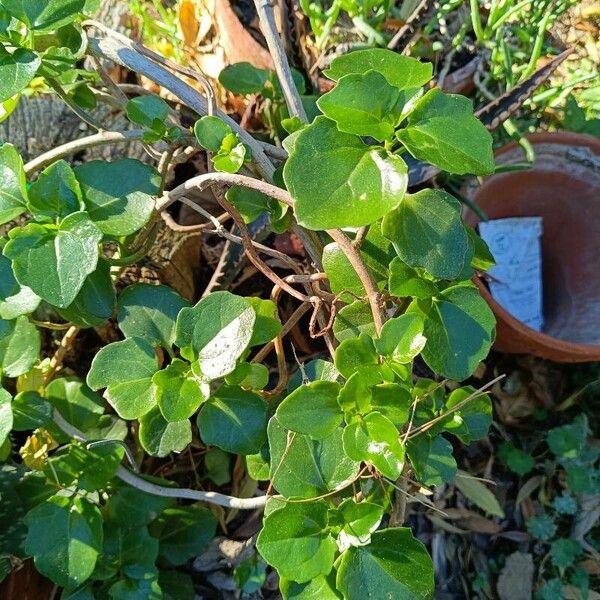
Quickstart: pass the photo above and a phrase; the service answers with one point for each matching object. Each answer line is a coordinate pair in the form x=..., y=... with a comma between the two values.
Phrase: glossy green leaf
x=183, y=532
x=267, y=325
x=19, y=346
x=15, y=299
x=427, y=232
x=304, y=467
x=178, y=395
x=405, y=282
x=472, y=421
x=392, y=400
x=43, y=15
x=360, y=520
x=144, y=110
x=442, y=130
x=400, y=71
x=210, y=132
x=337, y=180
x=125, y=369
x=312, y=409
x=401, y=338
x=432, y=459
x=364, y=104
x=295, y=540
x=75, y=401
x=375, y=439
x=216, y=331
x=235, y=420
x=6, y=414
x=356, y=394
x=95, y=302
x=13, y=192
x=393, y=565
x=118, y=195
x=17, y=69
x=30, y=411
x=257, y=465
x=314, y=370
x=477, y=493
x=352, y=320
x=64, y=537
x=249, y=376
x=243, y=78
x=55, y=193
x=354, y=353
x=160, y=437
x=150, y=312
x=483, y=260
x=231, y=155
x=459, y=328
x=54, y=262
x=318, y=588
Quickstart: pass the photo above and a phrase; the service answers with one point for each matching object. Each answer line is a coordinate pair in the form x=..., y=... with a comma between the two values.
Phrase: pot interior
x=564, y=189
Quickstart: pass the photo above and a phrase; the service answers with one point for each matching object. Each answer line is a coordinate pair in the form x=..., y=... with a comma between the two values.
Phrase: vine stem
x=169, y=492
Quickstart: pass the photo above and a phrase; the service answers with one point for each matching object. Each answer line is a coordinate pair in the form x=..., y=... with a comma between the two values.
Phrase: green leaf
x=375, y=439
x=55, y=193
x=406, y=282
x=565, y=504
x=267, y=325
x=243, y=78
x=294, y=539
x=54, y=262
x=6, y=415
x=356, y=395
x=218, y=466
x=76, y=402
x=459, y=327
x=216, y=331
x=176, y=585
x=183, y=532
x=442, y=130
x=150, y=312
x=95, y=302
x=252, y=203
x=352, y=320
x=13, y=192
x=118, y=195
x=515, y=459
x=427, y=232
x=160, y=437
x=476, y=492
x=64, y=537
x=542, y=527
x=235, y=420
x=337, y=180
x=304, y=467
x=15, y=299
x=30, y=411
x=314, y=370
x=483, y=260
x=19, y=346
x=231, y=155
x=312, y=409
x=401, y=338
x=360, y=520
x=210, y=132
x=364, y=104
x=569, y=440
x=144, y=110
x=319, y=588
x=143, y=587
x=564, y=552
x=131, y=507
x=257, y=465
x=249, y=375
x=44, y=15
x=393, y=565
x=392, y=400
x=432, y=459
x=473, y=420
x=125, y=369
x=400, y=71
x=178, y=395
x=16, y=71
x=355, y=353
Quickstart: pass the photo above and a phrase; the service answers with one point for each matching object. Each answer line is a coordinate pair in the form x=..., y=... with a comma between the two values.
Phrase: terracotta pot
x=236, y=40
x=564, y=189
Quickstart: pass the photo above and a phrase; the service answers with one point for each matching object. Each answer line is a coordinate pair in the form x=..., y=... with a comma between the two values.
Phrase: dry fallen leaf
x=189, y=22
x=516, y=579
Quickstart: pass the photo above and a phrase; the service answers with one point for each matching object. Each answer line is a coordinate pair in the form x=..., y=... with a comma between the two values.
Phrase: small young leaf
x=235, y=420
x=406, y=282
x=118, y=195
x=13, y=192
x=375, y=439
x=125, y=369
x=360, y=520
x=312, y=409
x=393, y=565
x=472, y=421
x=443, y=131
x=160, y=437
x=210, y=132
x=249, y=376
x=401, y=338
x=243, y=78
x=54, y=263
x=294, y=539
x=230, y=157
x=427, y=232
x=354, y=353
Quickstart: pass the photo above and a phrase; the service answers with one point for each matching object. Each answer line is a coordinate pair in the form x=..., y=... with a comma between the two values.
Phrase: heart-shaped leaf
x=401, y=338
